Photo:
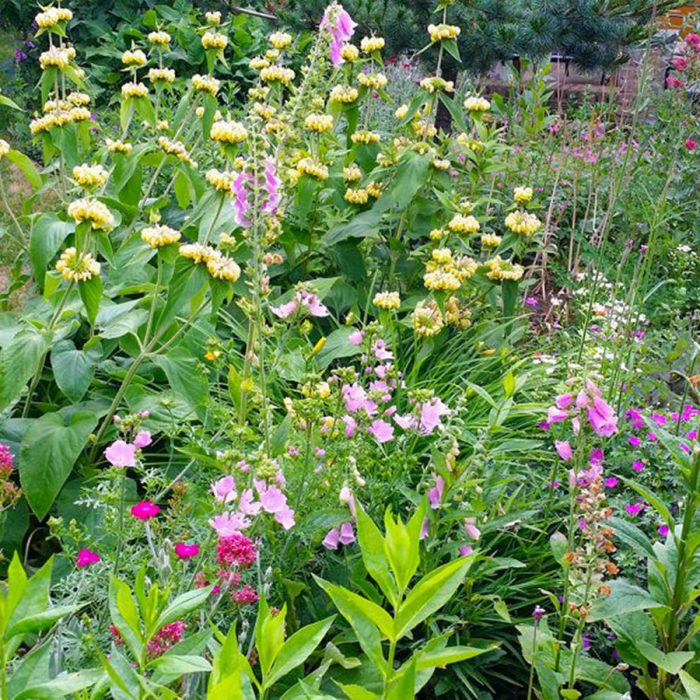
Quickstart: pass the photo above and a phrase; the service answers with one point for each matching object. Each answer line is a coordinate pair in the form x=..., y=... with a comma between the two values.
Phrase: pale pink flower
x=356, y=338
x=471, y=529
x=229, y=524
x=142, y=439
x=466, y=550
x=285, y=517
x=602, y=418
x=340, y=27
x=285, y=310
x=271, y=498
x=435, y=493
x=563, y=400
x=224, y=489
x=430, y=414
x=332, y=539
x=247, y=503
x=556, y=415
x=121, y=454
x=381, y=430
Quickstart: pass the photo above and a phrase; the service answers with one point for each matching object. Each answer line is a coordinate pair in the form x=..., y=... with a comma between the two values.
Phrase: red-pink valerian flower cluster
x=685, y=62
x=270, y=499
x=9, y=492
x=340, y=28
x=244, y=192
x=165, y=638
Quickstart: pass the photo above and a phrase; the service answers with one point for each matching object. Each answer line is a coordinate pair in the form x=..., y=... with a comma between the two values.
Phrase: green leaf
x=374, y=556
x=73, y=369
x=650, y=497
x=49, y=450
x=430, y=594
x=361, y=617
x=183, y=605
x=357, y=692
x=91, y=294
x=27, y=168
x=20, y=360
x=692, y=687
x=403, y=682
x=40, y=621
x=337, y=346
x=177, y=665
x=297, y=649
x=45, y=240
x=672, y=662
x=125, y=615
x=402, y=545
x=441, y=658
x=65, y=684
x=631, y=535
x=186, y=380
x=624, y=598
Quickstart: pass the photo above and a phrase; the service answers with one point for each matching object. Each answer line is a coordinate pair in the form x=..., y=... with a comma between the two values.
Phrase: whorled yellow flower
x=500, y=269
x=214, y=40
x=119, y=146
x=131, y=90
x=343, y=94
x=159, y=235
x=313, y=168
x=56, y=57
x=523, y=223
x=319, y=123
x=205, y=83
x=161, y=75
x=441, y=164
x=438, y=234
x=4, y=148
x=438, y=32
x=490, y=240
x=372, y=43
x=78, y=99
x=352, y=173
x=134, y=57
x=228, y=132
x=401, y=112
x=388, y=301
x=264, y=111
x=277, y=74
x=159, y=38
x=90, y=176
x=213, y=18
x=177, y=149
x=258, y=63
x=476, y=104
x=464, y=224
x=375, y=189
x=427, y=319
x=198, y=253
x=374, y=81
x=424, y=128
x=92, y=211
x=522, y=195
x=434, y=83
x=349, y=52
x=456, y=315
x=77, y=268
x=366, y=137
x=280, y=40
x=223, y=182
x=223, y=268
x=356, y=195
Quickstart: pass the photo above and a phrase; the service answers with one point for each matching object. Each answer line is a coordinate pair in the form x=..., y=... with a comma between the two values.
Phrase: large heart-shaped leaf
x=49, y=450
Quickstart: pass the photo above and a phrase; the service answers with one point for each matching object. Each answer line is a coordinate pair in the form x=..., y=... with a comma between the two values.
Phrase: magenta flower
x=332, y=539
x=424, y=529
x=121, y=454
x=611, y=482
x=86, y=557
x=556, y=415
x=435, y=493
x=347, y=534
x=602, y=418
x=142, y=439
x=634, y=508
x=381, y=430
x=663, y=530
x=340, y=27
x=186, y=551
x=638, y=466
x=145, y=510
x=634, y=441
x=563, y=400
x=466, y=550
x=564, y=449
x=471, y=529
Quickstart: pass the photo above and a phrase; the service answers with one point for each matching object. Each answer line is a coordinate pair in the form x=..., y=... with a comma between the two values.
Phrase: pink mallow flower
x=142, y=439
x=229, y=524
x=145, y=510
x=121, y=454
x=381, y=430
x=430, y=414
x=86, y=557
x=224, y=489
x=186, y=551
